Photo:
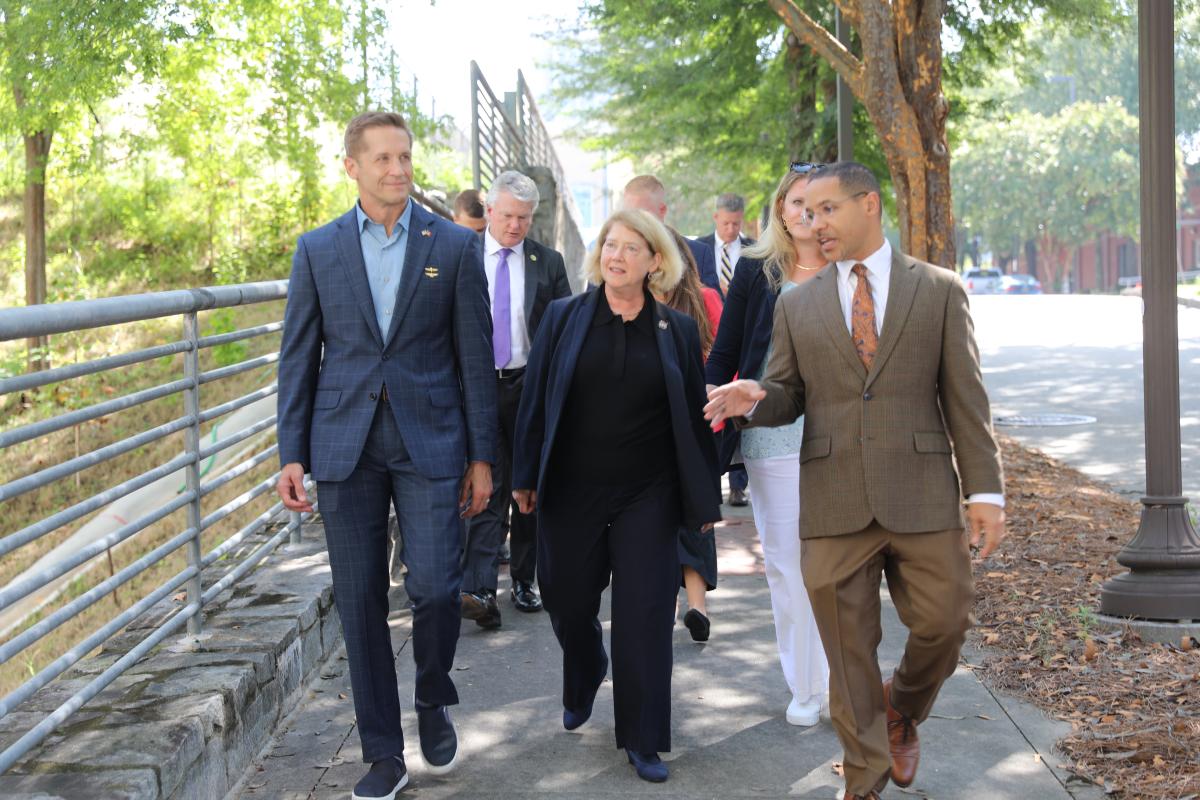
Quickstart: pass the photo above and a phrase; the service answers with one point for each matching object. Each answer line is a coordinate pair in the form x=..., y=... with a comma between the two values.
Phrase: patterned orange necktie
x=862, y=318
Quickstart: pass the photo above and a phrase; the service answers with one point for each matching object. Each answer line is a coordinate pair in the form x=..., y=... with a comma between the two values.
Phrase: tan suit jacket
x=877, y=445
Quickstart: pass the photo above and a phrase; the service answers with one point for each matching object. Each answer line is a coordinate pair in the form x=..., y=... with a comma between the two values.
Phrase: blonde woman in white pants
x=786, y=257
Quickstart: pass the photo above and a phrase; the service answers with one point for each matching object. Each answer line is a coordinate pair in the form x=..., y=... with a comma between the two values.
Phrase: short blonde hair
x=657, y=238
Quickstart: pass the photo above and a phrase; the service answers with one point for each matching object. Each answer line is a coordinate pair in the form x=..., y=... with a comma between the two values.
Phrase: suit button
x=868, y=396
x=374, y=396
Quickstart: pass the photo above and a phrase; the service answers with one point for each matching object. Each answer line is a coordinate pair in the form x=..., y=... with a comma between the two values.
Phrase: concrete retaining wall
x=187, y=723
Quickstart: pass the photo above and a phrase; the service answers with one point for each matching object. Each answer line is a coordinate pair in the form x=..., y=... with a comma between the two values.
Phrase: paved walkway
x=730, y=736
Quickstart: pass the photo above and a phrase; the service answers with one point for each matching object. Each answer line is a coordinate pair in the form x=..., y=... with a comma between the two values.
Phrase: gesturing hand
x=732, y=400
x=476, y=489
x=986, y=521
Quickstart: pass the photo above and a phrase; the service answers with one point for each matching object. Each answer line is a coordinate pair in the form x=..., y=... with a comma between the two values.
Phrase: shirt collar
x=401, y=224
x=644, y=321
x=492, y=247
x=878, y=264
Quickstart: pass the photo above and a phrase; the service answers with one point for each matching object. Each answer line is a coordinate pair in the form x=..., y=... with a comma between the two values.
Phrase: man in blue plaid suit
x=387, y=396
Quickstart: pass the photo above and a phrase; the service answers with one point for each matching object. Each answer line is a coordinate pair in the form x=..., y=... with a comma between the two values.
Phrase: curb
x=187, y=721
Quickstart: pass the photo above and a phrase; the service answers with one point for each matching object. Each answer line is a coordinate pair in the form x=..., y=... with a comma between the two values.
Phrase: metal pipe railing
x=179, y=482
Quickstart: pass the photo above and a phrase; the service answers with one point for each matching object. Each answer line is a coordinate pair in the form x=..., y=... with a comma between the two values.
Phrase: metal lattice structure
x=206, y=574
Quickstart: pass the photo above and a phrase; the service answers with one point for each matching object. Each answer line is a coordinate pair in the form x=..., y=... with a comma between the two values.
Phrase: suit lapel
x=416, y=258
x=533, y=259
x=833, y=318
x=349, y=244
x=902, y=289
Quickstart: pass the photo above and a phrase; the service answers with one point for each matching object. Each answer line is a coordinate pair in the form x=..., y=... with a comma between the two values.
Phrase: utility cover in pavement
x=1043, y=420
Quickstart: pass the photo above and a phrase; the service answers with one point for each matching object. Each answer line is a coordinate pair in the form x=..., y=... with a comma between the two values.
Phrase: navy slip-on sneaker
x=439, y=741
x=382, y=781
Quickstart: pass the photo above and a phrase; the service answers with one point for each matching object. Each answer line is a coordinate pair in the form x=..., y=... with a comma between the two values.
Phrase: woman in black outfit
x=613, y=452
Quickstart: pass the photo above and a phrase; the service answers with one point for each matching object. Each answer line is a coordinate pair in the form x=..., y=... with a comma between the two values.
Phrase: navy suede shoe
x=384, y=779
x=573, y=719
x=648, y=765
x=439, y=742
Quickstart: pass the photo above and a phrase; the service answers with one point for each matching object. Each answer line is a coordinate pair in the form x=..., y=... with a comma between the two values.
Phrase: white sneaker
x=805, y=714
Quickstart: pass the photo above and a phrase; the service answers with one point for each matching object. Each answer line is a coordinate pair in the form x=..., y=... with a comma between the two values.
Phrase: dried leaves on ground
x=1131, y=704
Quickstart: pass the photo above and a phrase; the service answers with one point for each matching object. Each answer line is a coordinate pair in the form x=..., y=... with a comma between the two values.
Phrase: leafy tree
x=711, y=95
x=1058, y=180
x=56, y=60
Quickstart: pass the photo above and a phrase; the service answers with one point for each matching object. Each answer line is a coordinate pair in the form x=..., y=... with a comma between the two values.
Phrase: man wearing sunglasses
x=879, y=355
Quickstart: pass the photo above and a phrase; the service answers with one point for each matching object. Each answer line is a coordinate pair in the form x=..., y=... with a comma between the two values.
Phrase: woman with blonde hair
x=613, y=453
x=786, y=257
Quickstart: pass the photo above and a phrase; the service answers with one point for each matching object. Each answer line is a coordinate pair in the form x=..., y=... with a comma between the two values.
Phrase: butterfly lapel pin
x=426, y=232
x=431, y=271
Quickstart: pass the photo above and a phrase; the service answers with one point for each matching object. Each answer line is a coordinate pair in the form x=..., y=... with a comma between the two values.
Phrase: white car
x=983, y=281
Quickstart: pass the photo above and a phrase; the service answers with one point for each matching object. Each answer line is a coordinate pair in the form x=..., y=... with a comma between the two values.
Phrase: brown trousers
x=929, y=579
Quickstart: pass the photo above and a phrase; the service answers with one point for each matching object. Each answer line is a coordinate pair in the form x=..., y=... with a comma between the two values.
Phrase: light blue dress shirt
x=384, y=257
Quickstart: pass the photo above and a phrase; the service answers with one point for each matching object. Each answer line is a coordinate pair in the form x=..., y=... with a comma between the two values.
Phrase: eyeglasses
x=805, y=167
x=830, y=207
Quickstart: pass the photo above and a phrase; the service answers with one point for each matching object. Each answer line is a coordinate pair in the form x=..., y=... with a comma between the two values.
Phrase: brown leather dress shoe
x=902, y=741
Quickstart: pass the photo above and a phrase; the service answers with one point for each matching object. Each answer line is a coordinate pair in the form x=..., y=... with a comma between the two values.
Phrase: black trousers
x=588, y=535
x=485, y=533
x=356, y=532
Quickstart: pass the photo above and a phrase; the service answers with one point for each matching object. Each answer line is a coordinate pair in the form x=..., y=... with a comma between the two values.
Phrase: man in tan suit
x=878, y=353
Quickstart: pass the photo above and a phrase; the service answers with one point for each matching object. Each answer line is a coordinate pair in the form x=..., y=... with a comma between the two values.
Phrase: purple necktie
x=502, y=312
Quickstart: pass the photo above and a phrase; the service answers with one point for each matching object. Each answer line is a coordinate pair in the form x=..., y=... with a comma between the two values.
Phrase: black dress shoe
x=481, y=606
x=737, y=497
x=697, y=624
x=525, y=598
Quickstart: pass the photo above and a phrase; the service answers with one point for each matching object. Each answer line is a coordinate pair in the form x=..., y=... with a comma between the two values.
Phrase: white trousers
x=775, y=500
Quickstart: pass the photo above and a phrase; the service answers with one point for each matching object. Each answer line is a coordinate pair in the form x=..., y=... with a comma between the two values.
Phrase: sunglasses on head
x=805, y=167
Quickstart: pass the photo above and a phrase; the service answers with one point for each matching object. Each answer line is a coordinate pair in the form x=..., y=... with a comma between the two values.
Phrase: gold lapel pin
x=426, y=232
x=533, y=256
x=662, y=324
x=431, y=272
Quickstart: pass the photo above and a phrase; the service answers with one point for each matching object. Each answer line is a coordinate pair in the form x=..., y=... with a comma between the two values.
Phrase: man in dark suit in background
x=647, y=193
x=726, y=243
x=387, y=397
x=523, y=277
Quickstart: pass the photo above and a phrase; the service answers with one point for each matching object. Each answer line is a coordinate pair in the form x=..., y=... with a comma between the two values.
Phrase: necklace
x=800, y=266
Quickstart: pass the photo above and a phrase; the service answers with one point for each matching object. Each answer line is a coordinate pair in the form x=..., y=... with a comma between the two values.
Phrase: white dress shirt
x=516, y=284
x=735, y=250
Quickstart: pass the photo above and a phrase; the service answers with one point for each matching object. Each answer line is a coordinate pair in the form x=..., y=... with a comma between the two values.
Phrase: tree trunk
x=37, y=151
x=899, y=82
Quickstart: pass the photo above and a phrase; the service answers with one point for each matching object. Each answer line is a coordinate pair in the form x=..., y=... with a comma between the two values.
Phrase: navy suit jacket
x=743, y=336
x=435, y=360
x=548, y=377
x=706, y=264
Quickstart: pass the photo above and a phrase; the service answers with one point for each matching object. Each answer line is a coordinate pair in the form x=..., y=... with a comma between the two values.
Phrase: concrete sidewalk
x=730, y=736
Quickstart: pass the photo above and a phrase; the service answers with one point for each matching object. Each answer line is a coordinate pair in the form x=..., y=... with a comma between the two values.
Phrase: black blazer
x=743, y=336
x=548, y=375
x=545, y=280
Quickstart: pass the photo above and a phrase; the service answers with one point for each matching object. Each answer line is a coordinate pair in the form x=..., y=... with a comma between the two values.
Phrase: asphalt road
x=1067, y=354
